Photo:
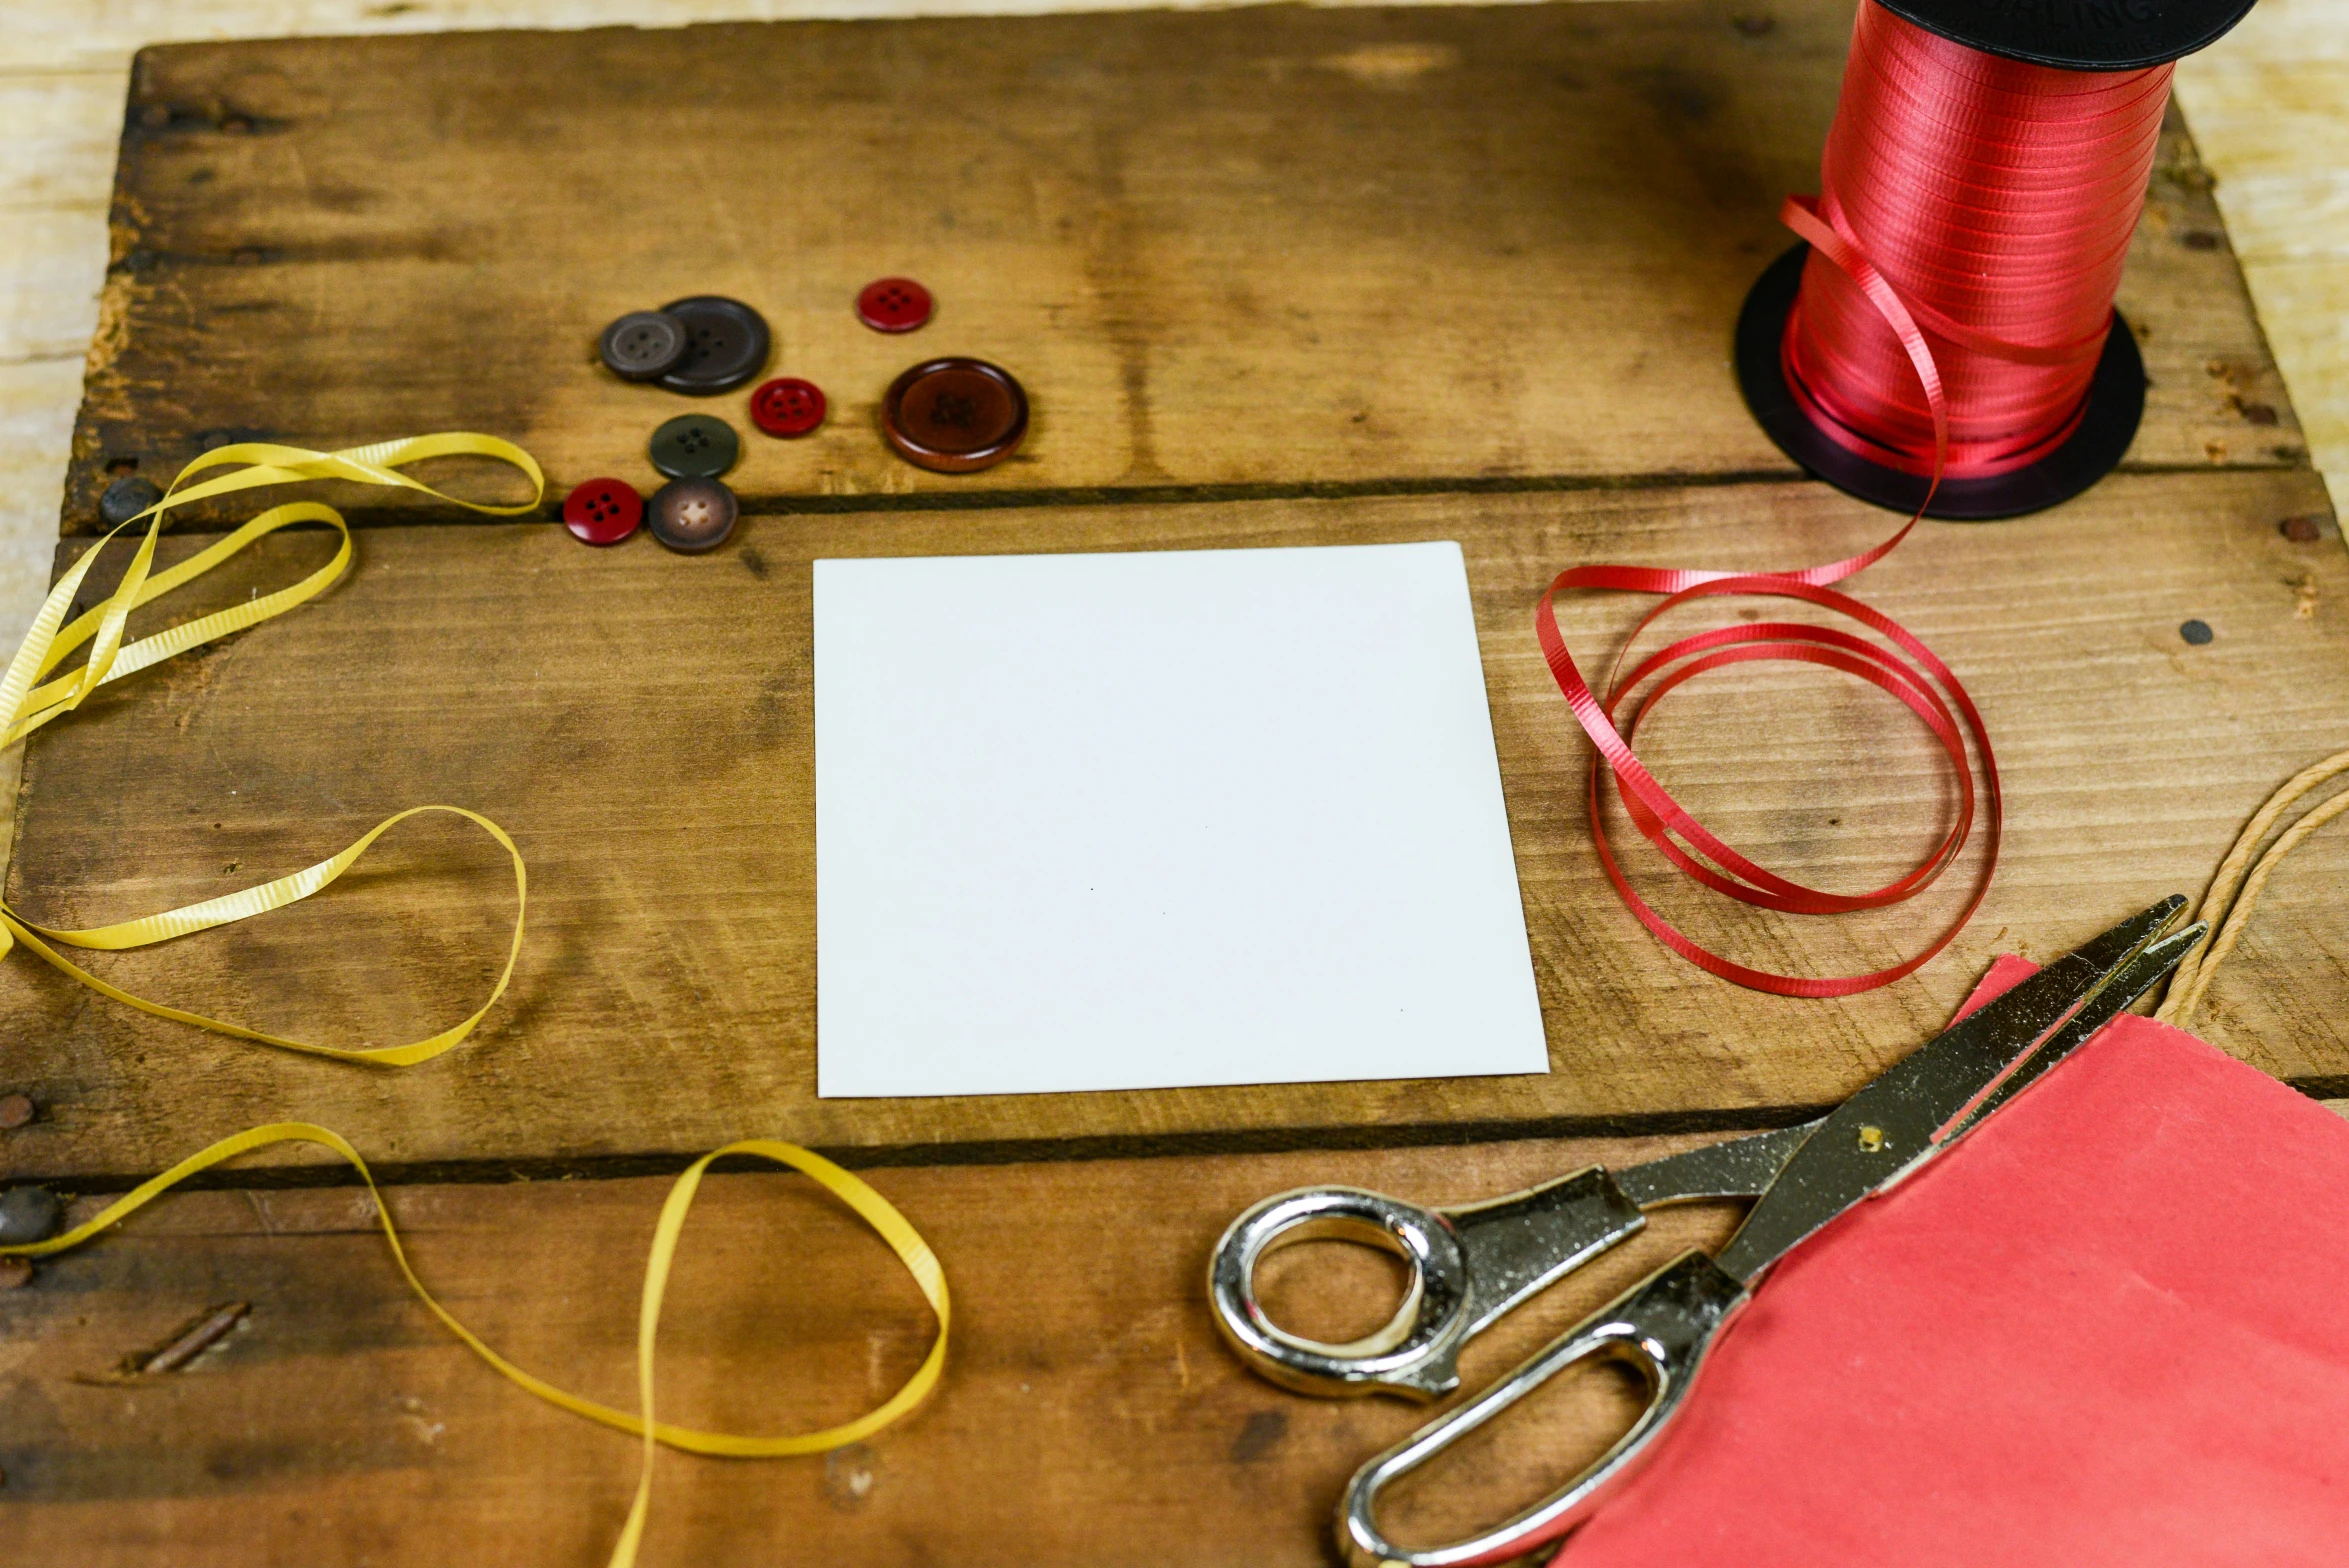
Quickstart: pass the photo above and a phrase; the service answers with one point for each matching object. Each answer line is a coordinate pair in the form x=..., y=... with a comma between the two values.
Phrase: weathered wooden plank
x=1089, y=1415
x=2270, y=114
x=1260, y=247
x=641, y=722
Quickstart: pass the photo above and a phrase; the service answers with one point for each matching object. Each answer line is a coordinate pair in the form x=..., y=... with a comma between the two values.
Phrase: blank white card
x=1154, y=820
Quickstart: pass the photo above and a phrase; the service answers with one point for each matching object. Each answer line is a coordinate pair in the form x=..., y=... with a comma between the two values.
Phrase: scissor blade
x=1882, y=1132
x=2140, y=975
x=1740, y=1168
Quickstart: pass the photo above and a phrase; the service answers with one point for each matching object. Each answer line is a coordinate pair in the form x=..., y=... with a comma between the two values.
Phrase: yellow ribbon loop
x=25, y=706
x=870, y=1206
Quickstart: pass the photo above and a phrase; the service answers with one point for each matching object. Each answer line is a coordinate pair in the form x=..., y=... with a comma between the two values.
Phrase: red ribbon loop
x=1958, y=340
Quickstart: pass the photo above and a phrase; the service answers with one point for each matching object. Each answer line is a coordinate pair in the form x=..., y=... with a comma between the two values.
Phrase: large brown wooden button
x=643, y=344
x=692, y=515
x=955, y=416
x=726, y=345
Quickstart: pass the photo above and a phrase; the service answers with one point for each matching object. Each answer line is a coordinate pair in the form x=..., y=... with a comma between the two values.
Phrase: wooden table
x=1272, y=276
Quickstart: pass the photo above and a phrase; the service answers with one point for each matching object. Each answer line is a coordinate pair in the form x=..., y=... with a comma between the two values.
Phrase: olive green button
x=695, y=446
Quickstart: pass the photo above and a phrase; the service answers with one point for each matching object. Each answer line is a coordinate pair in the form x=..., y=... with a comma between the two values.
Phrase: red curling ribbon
x=1958, y=340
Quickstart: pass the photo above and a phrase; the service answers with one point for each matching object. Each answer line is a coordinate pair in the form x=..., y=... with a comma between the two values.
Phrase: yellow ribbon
x=25, y=706
x=874, y=1209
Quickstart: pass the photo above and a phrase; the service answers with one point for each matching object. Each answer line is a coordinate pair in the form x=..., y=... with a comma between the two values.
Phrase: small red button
x=787, y=406
x=603, y=511
x=893, y=305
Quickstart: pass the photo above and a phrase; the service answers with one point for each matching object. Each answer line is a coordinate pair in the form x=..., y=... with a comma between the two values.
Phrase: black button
x=27, y=1214
x=126, y=498
x=691, y=514
x=695, y=446
x=726, y=345
x=644, y=344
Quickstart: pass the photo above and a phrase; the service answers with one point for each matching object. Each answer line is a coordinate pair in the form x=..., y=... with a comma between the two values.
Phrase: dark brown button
x=15, y=1111
x=726, y=345
x=955, y=416
x=692, y=515
x=643, y=345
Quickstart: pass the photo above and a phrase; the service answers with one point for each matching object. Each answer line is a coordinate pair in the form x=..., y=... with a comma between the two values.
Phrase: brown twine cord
x=2223, y=898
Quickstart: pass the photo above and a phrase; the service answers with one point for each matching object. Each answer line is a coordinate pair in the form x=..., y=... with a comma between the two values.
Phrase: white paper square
x=1151, y=820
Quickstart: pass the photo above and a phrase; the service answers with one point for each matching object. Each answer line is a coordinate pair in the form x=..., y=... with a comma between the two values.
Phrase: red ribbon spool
x=1965, y=249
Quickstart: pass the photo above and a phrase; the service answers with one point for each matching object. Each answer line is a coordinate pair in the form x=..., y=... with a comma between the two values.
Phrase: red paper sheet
x=2110, y=1327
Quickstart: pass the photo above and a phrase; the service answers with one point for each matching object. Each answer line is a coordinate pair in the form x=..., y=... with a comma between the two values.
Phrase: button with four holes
x=603, y=511
x=643, y=345
x=725, y=345
x=694, y=446
x=692, y=515
x=955, y=416
x=787, y=406
x=893, y=305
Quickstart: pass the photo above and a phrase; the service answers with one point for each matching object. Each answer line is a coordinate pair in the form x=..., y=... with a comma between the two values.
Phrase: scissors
x=1472, y=1263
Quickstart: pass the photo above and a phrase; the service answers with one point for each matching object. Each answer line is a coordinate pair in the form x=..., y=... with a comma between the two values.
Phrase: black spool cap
x=2077, y=35
x=2116, y=401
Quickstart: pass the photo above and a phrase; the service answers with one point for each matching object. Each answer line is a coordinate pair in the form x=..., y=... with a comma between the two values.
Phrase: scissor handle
x=1413, y=1354
x=1661, y=1326
x=1469, y=1265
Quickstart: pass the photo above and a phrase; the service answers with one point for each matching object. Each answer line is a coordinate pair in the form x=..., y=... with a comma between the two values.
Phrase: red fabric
x=2109, y=1327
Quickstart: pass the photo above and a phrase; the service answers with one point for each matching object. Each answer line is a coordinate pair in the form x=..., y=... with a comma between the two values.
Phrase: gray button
x=126, y=498
x=28, y=1214
x=644, y=344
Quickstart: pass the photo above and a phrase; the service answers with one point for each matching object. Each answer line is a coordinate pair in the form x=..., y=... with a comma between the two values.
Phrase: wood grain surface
x=640, y=721
x=1264, y=248
x=1090, y=1415
x=1272, y=277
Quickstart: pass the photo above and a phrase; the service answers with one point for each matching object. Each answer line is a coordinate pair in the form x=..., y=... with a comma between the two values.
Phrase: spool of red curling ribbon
x=1943, y=342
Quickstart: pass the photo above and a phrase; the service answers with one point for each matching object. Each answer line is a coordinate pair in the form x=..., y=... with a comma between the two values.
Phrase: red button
x=787, y=406
x=603, y=511
x=893, y=305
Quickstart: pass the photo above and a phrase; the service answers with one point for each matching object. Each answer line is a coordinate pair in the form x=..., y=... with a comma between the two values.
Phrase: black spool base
x=2116, y=401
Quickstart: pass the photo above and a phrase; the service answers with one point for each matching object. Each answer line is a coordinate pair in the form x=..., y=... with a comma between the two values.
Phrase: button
x=126, y=498
x=643, y=345
x=894, y=305
x=692, y=515
x=15, y=1110
x=787, y=406
x=695, y=446
x=725, y=345
x=603, y=511
x=955, y=415
x=27, y=1214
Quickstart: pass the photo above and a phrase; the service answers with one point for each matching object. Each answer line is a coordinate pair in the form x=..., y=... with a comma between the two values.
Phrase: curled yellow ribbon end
x=869, y=1205
x=25, y=706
